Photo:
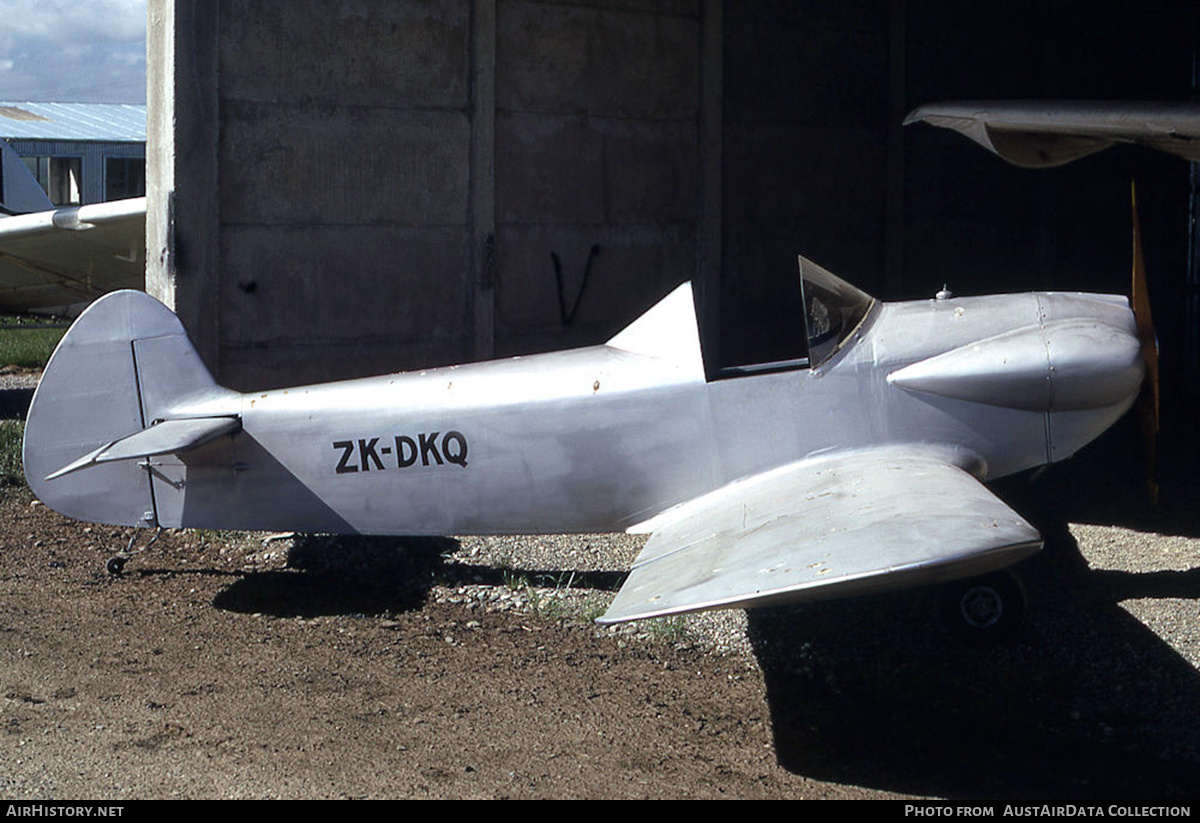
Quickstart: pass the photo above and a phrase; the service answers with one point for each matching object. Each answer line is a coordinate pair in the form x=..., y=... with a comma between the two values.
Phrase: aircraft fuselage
x=600, y=439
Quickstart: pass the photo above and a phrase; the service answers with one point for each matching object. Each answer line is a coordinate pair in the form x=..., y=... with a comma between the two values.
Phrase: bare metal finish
x=1044, y=133
x=860, y=472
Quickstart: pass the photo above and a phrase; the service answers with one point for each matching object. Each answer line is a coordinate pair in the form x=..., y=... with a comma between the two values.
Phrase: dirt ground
x=218, y=666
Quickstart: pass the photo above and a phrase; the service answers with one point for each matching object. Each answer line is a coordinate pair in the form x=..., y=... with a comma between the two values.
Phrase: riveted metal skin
x=862, y=472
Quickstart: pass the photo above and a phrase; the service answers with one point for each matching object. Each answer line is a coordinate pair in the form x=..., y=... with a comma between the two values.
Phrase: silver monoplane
x=857, y=468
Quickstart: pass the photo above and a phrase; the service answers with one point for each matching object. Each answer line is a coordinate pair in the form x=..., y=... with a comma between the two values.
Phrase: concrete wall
x=390, y=180
x=344, y=185
x=596, y=158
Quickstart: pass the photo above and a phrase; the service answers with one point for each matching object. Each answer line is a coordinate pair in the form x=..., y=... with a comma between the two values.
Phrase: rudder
x=121, y=367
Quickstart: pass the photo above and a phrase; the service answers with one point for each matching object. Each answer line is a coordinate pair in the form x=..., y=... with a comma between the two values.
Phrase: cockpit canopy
x=833, y=309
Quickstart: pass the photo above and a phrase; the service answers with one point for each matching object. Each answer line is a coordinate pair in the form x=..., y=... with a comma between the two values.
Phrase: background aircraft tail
x=20, y=192
x=123, y=367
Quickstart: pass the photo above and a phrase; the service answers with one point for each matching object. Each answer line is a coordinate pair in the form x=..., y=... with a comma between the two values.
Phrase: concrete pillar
x=483, y=177
x=897, y=107
x=708, y=255
x=182, y=215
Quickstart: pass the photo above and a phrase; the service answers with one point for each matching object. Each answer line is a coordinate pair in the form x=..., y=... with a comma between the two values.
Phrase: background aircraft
x=54, y=258
x=1045, y=133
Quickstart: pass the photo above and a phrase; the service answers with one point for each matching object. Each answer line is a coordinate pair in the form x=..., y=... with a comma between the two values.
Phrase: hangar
x=81, y=153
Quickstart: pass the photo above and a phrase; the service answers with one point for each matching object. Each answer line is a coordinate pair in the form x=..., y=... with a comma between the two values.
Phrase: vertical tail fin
x=20, y=192
x=124, y=365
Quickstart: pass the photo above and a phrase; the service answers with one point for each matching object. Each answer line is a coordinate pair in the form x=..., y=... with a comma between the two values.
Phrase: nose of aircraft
x=1080, y=353
x=1096, y=366
x=1092, y=364
x=1079, y=363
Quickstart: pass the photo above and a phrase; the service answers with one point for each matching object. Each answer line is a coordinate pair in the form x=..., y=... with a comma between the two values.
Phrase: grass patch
x=549, y=607
x=551, y=597
x=557, y=607
x=28, y=347
x=672, y=629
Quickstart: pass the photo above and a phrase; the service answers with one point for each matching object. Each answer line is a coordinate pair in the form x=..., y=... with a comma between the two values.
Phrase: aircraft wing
x=1045, y=133
x=65, y=256
x=824, y=527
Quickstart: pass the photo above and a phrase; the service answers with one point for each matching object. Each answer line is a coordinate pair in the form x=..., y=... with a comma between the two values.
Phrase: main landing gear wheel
x=115, y=566
x=988, y=609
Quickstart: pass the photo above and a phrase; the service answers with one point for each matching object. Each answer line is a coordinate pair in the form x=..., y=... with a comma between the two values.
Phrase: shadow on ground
x=348, y=575
x=1088, y=703
x=330, y=575
x=14, y=403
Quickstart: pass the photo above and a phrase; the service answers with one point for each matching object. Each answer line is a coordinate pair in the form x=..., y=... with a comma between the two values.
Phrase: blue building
x=80, y=152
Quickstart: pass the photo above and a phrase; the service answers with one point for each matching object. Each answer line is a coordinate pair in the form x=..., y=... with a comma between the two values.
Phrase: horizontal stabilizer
x=826, y=526
x=167, y=437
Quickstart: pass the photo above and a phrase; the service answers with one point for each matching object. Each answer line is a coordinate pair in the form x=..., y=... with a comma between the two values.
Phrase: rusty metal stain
x=17, y=113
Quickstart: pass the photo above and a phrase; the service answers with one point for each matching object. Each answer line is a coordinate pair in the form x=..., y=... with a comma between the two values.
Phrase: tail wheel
x=988, y=609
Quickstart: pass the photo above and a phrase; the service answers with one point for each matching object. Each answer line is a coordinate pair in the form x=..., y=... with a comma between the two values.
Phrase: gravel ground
x=582, y=558
x=17, y=378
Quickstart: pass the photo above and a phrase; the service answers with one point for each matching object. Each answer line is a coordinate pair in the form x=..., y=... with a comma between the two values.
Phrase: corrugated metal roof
x=113, y=122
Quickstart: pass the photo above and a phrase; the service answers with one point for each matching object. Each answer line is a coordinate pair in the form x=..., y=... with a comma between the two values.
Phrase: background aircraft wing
x=824, y=527
x=1044, y=133
x=72, y=255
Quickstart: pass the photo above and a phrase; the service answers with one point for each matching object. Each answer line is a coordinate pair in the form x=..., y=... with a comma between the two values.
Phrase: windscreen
x=833, y=309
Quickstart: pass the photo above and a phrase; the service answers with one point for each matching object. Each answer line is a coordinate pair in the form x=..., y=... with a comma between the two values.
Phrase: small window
x=66, y=181
x=832, y=311
x=39, y=167
x=60, y=177
x=124, y=177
